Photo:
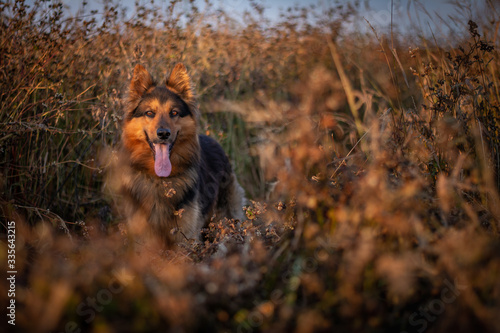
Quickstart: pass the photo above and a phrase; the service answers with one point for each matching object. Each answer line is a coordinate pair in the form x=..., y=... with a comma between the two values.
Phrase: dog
x=171, y=180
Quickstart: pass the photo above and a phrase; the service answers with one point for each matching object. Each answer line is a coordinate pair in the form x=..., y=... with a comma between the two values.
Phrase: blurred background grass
x=372, y=157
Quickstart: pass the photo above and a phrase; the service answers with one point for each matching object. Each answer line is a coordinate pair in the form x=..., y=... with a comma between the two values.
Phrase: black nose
x=163, y=133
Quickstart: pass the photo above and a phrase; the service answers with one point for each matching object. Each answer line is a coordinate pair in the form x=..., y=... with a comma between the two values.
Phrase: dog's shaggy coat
x=172, y=180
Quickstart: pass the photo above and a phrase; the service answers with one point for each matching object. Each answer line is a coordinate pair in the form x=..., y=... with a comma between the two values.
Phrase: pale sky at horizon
x=377, y=12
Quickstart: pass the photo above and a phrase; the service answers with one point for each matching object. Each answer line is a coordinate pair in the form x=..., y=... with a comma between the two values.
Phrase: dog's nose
x=163, y=133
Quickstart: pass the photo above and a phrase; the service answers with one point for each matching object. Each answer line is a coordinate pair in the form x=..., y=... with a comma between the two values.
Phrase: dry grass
x=374, y=170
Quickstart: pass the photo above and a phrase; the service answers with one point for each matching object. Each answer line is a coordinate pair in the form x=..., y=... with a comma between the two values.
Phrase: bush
x=374, y=172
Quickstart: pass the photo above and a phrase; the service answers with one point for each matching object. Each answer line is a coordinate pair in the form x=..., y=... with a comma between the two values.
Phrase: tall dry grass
x=373, y=162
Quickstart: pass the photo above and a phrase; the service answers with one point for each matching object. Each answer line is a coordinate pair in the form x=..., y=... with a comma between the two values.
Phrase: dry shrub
x=376, y=201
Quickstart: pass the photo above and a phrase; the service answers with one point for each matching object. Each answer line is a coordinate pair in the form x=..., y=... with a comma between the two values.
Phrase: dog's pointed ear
x=180, y=83
x=141, y=82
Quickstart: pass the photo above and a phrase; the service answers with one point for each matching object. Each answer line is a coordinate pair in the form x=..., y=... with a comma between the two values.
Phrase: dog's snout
x=163, y=133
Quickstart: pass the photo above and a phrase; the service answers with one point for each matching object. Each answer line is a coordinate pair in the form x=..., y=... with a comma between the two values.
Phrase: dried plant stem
x=346, y=84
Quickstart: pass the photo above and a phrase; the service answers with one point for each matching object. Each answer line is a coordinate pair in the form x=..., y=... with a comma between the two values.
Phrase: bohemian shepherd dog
x=172, y=180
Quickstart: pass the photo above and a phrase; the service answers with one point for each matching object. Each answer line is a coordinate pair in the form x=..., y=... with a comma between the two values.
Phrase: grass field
x=371, y=158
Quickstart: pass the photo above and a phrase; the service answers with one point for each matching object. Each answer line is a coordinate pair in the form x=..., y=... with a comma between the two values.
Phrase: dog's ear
x=180, y=83
x=141, y=82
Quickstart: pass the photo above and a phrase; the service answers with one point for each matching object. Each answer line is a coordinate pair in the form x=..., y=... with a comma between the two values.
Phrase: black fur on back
x=214, y=174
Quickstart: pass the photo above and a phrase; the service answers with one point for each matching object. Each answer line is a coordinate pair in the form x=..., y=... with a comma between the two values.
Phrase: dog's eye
x=174, y=113
x=150, y=114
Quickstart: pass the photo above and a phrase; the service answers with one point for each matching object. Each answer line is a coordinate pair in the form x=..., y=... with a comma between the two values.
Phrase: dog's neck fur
x=166, y=198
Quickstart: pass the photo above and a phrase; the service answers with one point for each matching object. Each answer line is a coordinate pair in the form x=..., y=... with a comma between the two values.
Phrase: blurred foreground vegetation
x=372, y=161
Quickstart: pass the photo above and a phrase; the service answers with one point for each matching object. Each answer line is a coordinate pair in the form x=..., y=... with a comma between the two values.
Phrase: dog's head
x=160, y=125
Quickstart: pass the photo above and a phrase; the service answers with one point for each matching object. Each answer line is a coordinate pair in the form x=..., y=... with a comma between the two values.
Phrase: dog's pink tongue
x=163, y=167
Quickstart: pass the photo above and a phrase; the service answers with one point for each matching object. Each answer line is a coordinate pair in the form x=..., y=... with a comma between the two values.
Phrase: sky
x=432, y=16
